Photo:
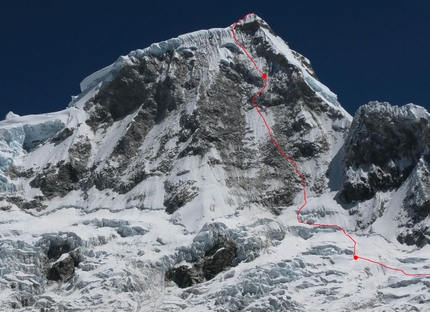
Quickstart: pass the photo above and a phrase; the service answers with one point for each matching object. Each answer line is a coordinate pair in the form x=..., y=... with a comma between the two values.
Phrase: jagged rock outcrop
x=387, y=151
x=61, y=269
x=215, y=260
x=216, y=248
x=384, y=145
x=65, y=177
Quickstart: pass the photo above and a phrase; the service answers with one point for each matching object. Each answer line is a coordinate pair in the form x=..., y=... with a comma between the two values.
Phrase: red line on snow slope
x=264, y=77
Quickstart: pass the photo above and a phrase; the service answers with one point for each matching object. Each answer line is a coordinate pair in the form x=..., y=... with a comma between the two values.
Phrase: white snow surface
x=11, y=115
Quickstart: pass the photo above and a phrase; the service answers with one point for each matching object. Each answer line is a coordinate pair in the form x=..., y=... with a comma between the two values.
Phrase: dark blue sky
x=362, y=50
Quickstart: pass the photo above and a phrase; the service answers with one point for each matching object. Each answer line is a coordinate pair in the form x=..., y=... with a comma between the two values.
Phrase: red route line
x=269, y=131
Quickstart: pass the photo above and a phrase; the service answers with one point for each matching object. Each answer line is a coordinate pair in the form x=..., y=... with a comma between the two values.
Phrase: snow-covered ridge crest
x=410, y=112
x=192, y=40
x=320, y=89
x=11, y=115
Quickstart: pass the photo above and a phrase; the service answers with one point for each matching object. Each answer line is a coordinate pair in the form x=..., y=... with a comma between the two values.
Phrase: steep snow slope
x=158, y=189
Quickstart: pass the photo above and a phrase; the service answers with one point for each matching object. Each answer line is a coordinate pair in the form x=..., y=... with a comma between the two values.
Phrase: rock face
x=217, y=259
x=387, y=150
x=158, y=188
x=61, y=269
x=384, y=145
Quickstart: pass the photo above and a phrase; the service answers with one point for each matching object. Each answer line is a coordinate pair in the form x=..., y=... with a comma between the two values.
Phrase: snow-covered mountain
x=158, y=189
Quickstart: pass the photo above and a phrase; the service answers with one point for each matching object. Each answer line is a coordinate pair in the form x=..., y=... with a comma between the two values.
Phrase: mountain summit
x=158, y=188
